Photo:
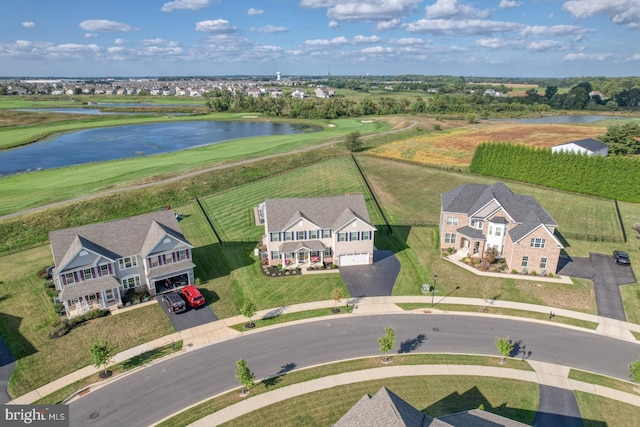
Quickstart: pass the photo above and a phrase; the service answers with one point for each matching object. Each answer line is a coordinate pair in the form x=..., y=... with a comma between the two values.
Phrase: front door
x=110, y=297
x=301, y=256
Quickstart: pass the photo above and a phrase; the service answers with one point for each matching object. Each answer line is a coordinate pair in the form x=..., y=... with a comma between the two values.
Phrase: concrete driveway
x=7, y=365
x=606, y=276
x=190, y=318
x=375, y=280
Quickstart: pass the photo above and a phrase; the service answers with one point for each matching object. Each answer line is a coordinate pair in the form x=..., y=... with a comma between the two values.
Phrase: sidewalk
x=220, y=330
x=544, y=374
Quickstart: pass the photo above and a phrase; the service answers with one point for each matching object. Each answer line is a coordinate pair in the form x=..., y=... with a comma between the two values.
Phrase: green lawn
x=298, y=376
x=231, y=273
x=19, y=192
x=433, y=395
x=598, y=411
x=26, y=313
x=232, y=211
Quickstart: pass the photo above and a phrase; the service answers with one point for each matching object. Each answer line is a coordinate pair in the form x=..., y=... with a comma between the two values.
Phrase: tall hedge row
x=612, y=177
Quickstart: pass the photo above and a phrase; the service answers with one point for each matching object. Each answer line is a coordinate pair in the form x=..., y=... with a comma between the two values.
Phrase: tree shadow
x=274, y=379
x=396, y=240
x=412, y=344
x=214, y=260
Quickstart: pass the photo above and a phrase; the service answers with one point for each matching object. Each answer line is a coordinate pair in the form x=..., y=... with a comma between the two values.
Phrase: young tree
x=634, y=373
x=491, y=255
x=244, y=376
x=387, y=343
x=101, y=353
x=337, y=296
x=505, y=346
x=354, y=143
x=249, y=310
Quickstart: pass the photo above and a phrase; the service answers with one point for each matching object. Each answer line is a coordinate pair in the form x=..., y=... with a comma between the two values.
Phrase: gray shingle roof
x=590, y=144
x=473, y=233
x=170, y=268
x=113, y=239
x=312, y=245
x=478, y=418
x=385, y=409
x=325, y=212
x=88, y=287
x=525, y=210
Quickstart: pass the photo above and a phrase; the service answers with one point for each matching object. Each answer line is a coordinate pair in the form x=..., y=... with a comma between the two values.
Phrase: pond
x=69, y=110
x=110, y=143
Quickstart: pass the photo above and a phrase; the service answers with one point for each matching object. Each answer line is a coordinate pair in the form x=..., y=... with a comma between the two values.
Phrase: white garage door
x=354, y=259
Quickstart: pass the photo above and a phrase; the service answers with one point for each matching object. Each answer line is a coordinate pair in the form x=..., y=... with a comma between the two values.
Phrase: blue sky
x=493, y=38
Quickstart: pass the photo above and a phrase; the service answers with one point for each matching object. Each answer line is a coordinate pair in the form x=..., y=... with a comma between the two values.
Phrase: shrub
x=533, y=273
x=550, y=275
x=437, y=127
x=514, y=271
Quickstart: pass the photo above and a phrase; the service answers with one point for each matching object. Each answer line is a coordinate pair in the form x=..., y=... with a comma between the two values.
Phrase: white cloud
x=364, y=39
x=334, y=24
x=467, y=26
x=28, y=24
x=372, y=10
x=452, y=9
x=185, y=4
x=636, y=57
x=103, y=25
x=591, y=57
x=377, y=50
x=554, y=30
x=498, y=43
x=508, y=4
x=158, y=41
x=269, y=29
x=22, y=44
x=252, y=11
x=624, y=12
x=388, y=25
x=90, y=35
x=119, y=41
x=220, y=26
x=408, y=41
x=325, y=42
x=117, y=49
x=545, y=45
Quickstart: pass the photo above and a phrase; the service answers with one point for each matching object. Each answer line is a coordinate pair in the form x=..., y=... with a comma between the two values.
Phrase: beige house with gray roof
x=315, y=231
x=95, y=264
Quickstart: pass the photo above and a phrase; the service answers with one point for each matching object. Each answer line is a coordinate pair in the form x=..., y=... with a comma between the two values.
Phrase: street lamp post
x=433, y=290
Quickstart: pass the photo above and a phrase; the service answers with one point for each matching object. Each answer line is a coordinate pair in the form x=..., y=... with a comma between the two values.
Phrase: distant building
x=589, y=146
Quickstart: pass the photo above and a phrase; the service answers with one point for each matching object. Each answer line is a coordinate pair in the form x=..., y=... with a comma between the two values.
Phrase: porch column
x=119, y=297
x=66, y=308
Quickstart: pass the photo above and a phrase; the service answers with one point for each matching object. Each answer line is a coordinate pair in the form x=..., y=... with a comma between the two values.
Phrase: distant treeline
x=332, y=108
x=612, y=177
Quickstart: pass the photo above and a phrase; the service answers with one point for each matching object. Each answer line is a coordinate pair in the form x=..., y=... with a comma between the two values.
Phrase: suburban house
x=318, y=230
x=589, y=146
x=386, y=409
x=95, y=264
x=324, y=92
x=475, y=217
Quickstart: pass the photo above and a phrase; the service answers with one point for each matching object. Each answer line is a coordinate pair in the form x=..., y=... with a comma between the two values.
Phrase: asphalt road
x=150, y=394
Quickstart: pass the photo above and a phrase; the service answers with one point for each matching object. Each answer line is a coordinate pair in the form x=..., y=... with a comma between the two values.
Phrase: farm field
x=454, y=147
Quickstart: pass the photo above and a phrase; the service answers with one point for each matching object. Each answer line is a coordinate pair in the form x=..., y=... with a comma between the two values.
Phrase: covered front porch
x=99, y=293
x=169, y=277
x=472, y=242
x=297, y=254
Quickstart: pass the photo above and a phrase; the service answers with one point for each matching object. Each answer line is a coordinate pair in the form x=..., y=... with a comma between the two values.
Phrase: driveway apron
x=557, y=407
x=190, y=318
x=606, y=276
x=375, y=280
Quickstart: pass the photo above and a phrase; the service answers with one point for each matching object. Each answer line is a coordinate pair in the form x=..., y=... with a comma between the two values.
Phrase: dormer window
x=476, y=223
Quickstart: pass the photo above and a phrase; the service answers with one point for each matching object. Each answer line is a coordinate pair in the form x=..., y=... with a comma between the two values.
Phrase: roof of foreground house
x=469, y=199
x=115, y=239
x=325, y=212
x=386, y=409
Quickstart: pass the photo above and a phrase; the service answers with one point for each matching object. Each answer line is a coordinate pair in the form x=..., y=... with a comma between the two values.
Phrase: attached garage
x=354, y=259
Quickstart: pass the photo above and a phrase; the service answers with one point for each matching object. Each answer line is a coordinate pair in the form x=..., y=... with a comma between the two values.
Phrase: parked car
x=622, y=258
x=174, y=303
x=193, y=296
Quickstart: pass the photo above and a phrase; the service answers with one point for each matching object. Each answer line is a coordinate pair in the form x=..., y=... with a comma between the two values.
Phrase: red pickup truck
x=193, y=296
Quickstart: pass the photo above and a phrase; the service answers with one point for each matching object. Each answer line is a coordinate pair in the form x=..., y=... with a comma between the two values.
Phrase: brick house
x=475, y=217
